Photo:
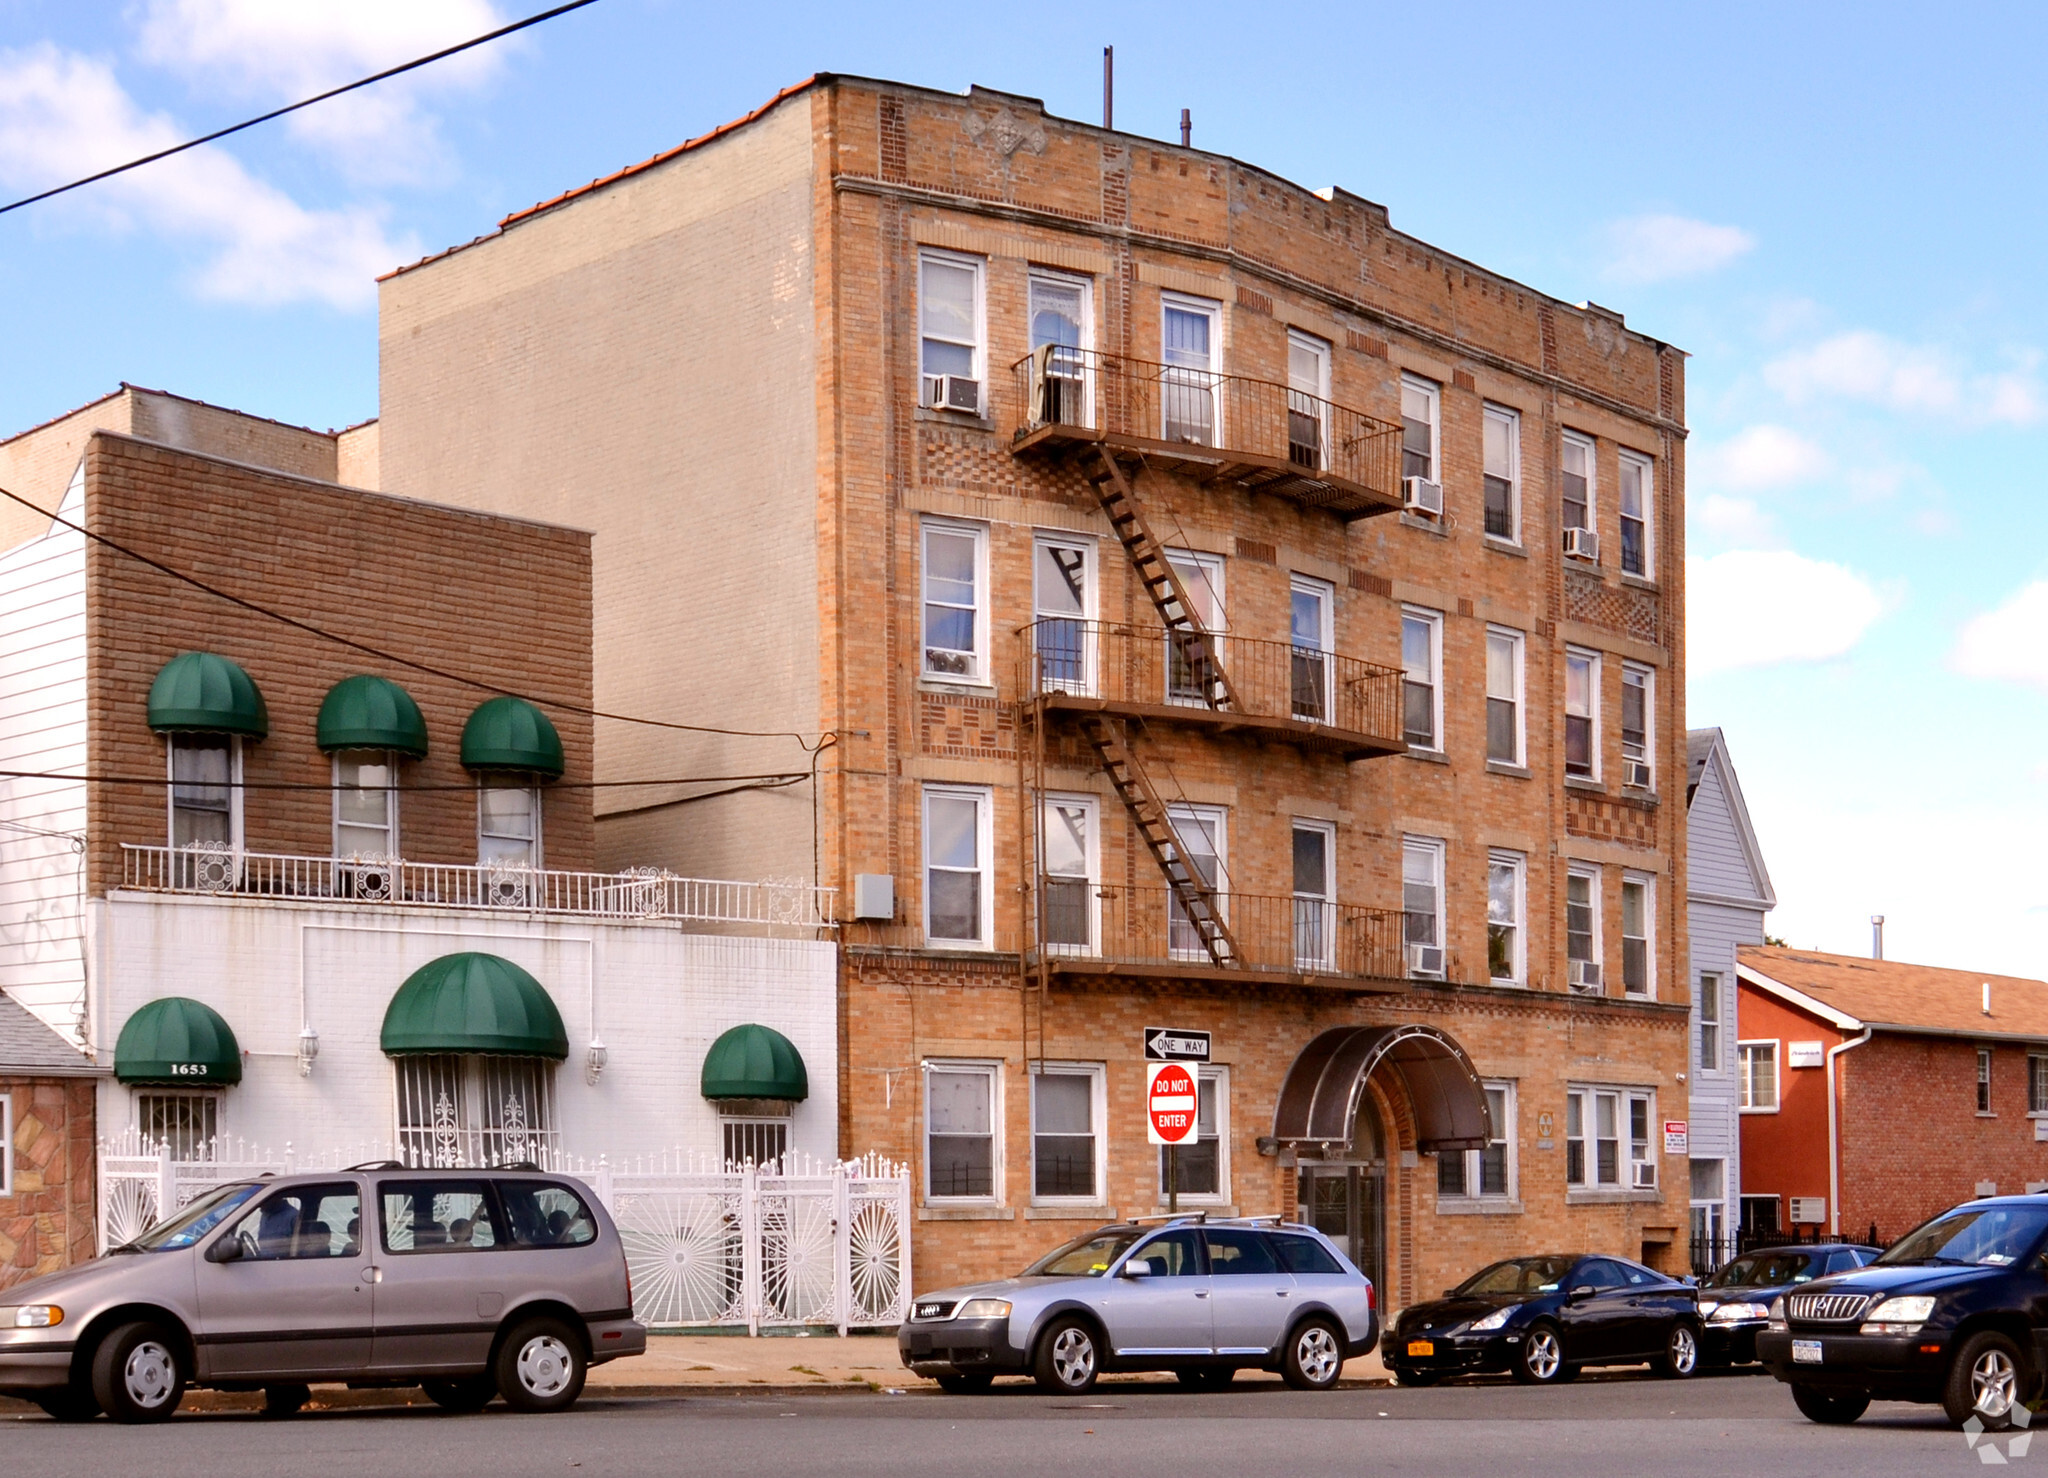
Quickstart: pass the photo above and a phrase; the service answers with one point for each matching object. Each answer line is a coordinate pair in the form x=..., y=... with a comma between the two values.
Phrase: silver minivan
x=468, y=1283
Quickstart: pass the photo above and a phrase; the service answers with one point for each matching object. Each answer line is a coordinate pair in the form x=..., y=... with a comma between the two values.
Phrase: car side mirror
x=227, y=1249
x=1137, y=1269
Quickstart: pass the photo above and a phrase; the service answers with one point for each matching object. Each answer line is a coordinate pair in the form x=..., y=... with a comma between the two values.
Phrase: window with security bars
x=188, y=1123
x=1063, y=1134
x=1484, y=1172
x=471, y=1110
x=749, y=1134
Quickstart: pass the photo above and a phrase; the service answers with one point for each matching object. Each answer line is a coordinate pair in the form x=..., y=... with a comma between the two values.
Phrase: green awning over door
x=755, y=1062
x=180, y=1042
x=476, y=1003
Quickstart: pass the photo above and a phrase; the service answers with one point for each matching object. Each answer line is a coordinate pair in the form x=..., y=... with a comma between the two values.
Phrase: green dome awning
x=755, y=1062
x=477, y=1003
x=203, y=693
x=365, y=712
x=509, y=733
x=177, y=1040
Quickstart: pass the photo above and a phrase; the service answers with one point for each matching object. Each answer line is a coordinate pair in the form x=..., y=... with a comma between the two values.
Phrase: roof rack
x=379, y=1165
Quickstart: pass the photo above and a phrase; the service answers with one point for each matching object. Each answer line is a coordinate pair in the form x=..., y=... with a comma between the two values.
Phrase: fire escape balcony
x=1092, y=929
x=1214, y=427
x=1322, y=701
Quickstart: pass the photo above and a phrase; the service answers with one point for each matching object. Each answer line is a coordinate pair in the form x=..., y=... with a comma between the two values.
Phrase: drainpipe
x=1835, y=1133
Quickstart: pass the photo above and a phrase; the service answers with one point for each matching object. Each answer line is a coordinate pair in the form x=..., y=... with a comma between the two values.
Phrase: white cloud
x=1763, y=457
x=63, y=115
x=1862, y=365
x=1737, y=521
x=1659, y=247
x=1756, y=608
x=284, y=52
x=2006, y=641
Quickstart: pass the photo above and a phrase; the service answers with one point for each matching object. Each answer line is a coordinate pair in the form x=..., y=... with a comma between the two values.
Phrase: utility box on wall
x=874, y=896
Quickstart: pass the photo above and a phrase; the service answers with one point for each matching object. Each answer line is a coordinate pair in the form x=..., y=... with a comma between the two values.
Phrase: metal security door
x=1347, y=1204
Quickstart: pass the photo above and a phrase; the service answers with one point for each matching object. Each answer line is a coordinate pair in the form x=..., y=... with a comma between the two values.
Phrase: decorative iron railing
x=643, y=894
x=1085, y=921
x=1270, y=679
x=1184, y=406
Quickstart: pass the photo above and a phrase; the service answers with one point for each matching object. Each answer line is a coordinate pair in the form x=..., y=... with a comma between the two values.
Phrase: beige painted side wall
x=641, y=363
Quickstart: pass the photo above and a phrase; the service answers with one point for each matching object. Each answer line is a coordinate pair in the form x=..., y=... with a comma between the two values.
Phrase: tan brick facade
x=47, y=1223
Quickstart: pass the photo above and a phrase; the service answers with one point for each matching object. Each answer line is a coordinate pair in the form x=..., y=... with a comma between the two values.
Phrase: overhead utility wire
x=332, y=92
x=825, y=740
x=772, y=778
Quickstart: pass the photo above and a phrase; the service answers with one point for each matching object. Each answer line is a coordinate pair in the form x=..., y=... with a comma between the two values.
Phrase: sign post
x=1172, y=1117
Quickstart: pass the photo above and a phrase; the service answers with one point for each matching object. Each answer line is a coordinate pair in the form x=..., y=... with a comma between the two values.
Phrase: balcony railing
x=1322, y=698
x=1265, y=435
x=649, y=895
x=1092, y=926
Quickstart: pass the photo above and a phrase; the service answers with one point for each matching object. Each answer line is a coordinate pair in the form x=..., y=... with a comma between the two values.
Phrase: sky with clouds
x=1827, y=206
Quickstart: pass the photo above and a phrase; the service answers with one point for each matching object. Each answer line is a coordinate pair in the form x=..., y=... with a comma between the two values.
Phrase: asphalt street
x=1599, y=1427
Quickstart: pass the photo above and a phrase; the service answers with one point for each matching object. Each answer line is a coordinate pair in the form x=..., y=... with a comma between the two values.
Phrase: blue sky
x=1835, y=210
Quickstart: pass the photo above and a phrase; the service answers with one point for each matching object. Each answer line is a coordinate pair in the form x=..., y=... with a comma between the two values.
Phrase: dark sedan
x=1543, y=1318
x=1736, y=1301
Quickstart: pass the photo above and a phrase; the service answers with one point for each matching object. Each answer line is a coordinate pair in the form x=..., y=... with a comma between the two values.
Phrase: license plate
x=1421, y=1347
x=1806, y=1351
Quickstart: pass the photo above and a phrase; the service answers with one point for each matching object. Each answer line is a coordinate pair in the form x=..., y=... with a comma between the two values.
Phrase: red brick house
x=46, y=1147
x=1876, y=1093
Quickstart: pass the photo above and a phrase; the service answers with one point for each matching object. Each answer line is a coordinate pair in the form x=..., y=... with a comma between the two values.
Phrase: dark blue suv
x=1955, y=1312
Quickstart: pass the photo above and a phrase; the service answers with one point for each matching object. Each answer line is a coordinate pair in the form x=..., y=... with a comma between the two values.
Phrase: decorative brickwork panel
x=1604, y=819
x=970, y=462
x=1257, y=549
x=1633, y=613
x=966, y=728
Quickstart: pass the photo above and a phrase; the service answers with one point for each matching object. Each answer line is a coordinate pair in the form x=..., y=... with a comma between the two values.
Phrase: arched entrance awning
x=1319, y=1100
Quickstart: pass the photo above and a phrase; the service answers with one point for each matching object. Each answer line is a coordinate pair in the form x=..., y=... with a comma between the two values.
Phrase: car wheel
x=541, y=1366
x=1987, y=1380
x=1207, y=1377
x=1830, y=1408
x=964, y=1385
x=137, y=1375
x=1404, y=1377
x=1315, y=1356
x=1068, y=1358
x=1681, y=1357
x=1540, y=1361
x=285, y=1400
x=72, y=1404
x=473, y=1394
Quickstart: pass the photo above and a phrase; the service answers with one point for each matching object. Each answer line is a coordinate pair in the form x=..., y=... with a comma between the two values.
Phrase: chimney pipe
x=1877, y=936
x=1187, y=129
x=1109, y=87
x=1987, y=998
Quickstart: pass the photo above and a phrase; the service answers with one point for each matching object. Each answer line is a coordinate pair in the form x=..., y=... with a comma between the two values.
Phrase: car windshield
x=1975, y=1236
x=195, y=1221
x=1519, y=1275
x=1084, y=1257
x=1764, y=1270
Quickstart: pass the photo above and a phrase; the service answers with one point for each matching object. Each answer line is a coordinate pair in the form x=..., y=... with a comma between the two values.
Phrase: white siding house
x=1728, y=894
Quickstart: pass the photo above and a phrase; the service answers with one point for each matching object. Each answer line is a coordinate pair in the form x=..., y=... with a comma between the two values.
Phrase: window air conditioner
x=1426, y=959
x=952, y=393
x=1636, y=773
x=1420, y=495
x=1582, y=544
x=1585, y=975
x=1646, y=1175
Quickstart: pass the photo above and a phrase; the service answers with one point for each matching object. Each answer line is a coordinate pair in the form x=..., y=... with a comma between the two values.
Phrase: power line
x=332, y=92
x=384, y=656
x=773, y=777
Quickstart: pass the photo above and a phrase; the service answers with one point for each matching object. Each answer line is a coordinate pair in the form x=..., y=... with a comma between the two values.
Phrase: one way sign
x=1170, y=1044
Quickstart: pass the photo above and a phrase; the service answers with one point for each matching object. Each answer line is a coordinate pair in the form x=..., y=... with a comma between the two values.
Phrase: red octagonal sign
x=1170, y=1103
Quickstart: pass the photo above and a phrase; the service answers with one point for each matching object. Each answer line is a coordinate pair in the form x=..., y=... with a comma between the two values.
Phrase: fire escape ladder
x=1194, y=648
x=1149, y=815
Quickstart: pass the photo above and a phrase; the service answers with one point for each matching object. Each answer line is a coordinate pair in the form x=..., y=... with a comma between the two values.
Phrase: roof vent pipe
x=1187, y=129
x=1109, y=87
x=1877, y=936
x=1987, y=998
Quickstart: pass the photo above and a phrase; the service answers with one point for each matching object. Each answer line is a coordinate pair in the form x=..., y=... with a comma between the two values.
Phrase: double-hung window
x=1315, y=894
x=1060, y=316
x=1203, y=1172
x=206, y=798
x=2037, y=1083
x=1190, y=341
x=1608, y=1140
x=1506, y=898
x=962, y=1112
x=1580, y=509
x=1638, y=714
x=1422, y=665
x=1503, y=695
x=949, y=316
x=1072, y=867
x=958, y=864
x=1708, y=1007
x=365, y=803
x=1582, y=713
x=1983, y=1080
x=1502, y=432
x=1066, y=1139
x=1636, y=494
x=1638, y=960
x=1420, y=400
x=956, y=601
x=1201, y=841
x=1063, y=599
x=1484, y=1174
x=1582, y=930
x=1308, y=400
x=1422, y=906
x=508, y=817
x=1758, y=1062
x=1311, y=603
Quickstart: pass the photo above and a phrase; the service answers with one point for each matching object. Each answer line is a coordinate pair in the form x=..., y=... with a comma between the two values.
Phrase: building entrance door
x=1347, y=1204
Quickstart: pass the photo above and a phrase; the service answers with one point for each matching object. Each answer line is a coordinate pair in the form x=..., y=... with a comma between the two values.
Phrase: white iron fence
x=708, y=1244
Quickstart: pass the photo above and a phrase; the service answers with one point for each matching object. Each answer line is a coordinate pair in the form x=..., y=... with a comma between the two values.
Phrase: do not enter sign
x=1170, y=1103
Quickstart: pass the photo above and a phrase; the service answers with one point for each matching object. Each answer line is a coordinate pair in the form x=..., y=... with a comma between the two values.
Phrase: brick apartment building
x=1221, y=610
x=1876, y=1094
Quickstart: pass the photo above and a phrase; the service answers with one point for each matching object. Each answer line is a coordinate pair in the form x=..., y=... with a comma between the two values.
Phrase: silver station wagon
x=469, y=1283
x=1201, y=1298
